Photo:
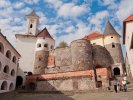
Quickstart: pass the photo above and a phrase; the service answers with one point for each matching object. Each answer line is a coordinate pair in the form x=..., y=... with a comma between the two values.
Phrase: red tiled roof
x=130, y=18
x=93, y=35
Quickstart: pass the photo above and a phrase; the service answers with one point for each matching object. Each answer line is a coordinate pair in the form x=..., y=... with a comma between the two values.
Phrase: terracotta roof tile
x=93, y=35
x=130, y=18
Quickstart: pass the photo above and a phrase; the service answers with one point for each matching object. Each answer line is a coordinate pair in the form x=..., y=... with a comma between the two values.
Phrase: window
x=38, y=45
x=14, y=59
x=46, y=45
x=1, y=48
x=4, y=86
x=31, y=25
x=52, y=46
x=13, y=72
x=8, y=54
x=111, y=36
x=113, y=45
x=131, y=46
x=6, y=69
x=11, y=87
x=0, y=66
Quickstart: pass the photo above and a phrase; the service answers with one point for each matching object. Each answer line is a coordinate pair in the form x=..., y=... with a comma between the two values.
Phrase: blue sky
x=66, y=20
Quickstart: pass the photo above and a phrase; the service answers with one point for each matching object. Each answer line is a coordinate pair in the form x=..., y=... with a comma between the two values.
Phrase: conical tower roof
x=109, y=29
x=44, y=34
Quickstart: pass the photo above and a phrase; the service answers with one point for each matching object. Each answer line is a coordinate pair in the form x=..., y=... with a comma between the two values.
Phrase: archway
x=11, y=87
x=4, y=86
x=116, y=71
x=19, y=81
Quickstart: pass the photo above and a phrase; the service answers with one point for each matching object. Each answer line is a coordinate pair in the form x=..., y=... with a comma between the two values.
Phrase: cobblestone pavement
x=69, y=96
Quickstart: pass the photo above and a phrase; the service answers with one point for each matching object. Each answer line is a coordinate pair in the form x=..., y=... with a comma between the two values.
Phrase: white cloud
x=71, y=10
x=56, y=3
x=75, y=33
x=18, y=4
x=5, y=3
x=125, y=9
x=26, y=10
x=98, y=19
x=68, y=9
x=31, y=2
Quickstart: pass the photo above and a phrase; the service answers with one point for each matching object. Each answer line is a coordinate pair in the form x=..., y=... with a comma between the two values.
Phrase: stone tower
x=112, y=44
x=32, y=23
x=44, y=43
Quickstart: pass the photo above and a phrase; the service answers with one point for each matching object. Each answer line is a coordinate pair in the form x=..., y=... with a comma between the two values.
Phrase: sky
x=66, y=20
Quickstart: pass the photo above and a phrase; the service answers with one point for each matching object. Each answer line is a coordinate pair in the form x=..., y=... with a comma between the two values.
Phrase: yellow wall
x=105, y=40
x=97, y=41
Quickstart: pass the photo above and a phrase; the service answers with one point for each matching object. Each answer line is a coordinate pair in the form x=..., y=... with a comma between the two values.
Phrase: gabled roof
x=93, y=35
x=130, y=18
x=109, y=29
x=33, y=13
x=44, y=34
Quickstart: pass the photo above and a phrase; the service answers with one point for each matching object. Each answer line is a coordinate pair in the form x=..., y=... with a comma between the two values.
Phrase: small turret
x=44, y=43
x=32, y=23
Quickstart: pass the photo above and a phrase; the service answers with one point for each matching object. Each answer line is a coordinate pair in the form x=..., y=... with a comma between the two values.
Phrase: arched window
x=31, y=25
x=116, y=71
x=38, y=45
x=14, y=59
x=8, y=54
x=0, y=66
x=11, y=87
x=1, y=48
x=46, y=45
x=6, y=69
x=13, y=72
x=4, y=86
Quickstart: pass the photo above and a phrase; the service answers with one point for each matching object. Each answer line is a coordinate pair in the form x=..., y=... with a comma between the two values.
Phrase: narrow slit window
x=113, y=45
x=31, y=25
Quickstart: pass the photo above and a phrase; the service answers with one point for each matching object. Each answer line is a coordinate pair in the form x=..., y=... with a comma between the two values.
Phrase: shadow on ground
x=33, y=96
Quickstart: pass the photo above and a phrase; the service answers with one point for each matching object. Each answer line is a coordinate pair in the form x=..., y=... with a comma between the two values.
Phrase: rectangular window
x=131, y=46
x=113, y=45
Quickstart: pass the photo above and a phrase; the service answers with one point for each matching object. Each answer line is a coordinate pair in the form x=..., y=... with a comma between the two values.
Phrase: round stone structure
x=41, y=61
x=81, y=51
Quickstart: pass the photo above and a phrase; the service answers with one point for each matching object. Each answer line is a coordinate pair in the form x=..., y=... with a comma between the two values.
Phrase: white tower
x=44, y=43
x=32, y=23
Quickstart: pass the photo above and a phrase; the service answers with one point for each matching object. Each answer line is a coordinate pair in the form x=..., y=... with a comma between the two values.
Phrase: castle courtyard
x=69, y=96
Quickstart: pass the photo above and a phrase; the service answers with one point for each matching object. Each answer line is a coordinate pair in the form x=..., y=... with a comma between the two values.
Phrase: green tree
x=62, y=44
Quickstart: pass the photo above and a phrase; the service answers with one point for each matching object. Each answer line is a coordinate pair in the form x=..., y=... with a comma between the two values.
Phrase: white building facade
x=9, y=58
x=27, y=43
x=128, y=41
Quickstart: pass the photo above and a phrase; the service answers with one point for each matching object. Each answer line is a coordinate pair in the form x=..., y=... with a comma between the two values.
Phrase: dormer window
x=31, y=25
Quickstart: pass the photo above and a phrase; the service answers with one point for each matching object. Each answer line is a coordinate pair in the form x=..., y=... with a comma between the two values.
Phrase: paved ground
x=69, y=96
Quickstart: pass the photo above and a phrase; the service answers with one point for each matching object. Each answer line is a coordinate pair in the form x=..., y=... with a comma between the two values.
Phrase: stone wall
x=80, y=56
x=69, y=84
x=41, y=62
x=81, y=51
x=101, y=56
x=116, y=53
